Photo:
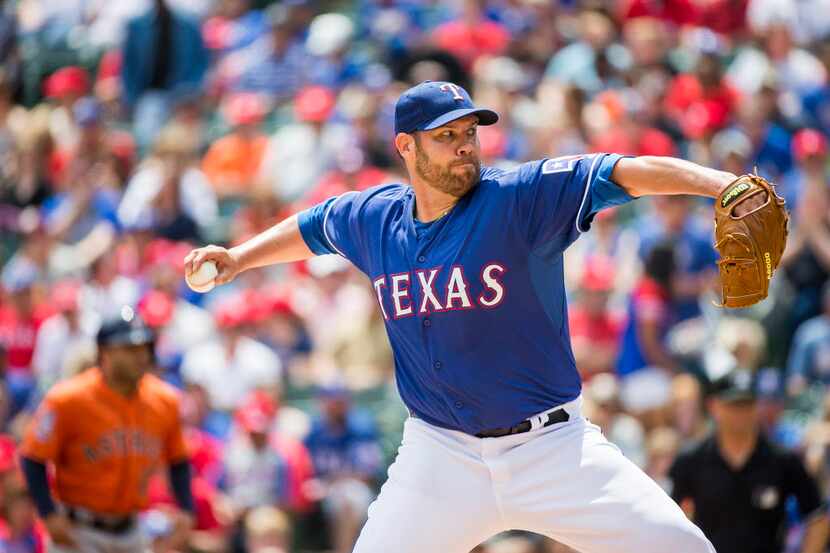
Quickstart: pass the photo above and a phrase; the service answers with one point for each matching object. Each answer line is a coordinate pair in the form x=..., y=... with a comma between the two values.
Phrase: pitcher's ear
x=404, y=142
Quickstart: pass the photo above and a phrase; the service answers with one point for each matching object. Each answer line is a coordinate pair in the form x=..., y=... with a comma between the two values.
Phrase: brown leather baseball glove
x=750, y=245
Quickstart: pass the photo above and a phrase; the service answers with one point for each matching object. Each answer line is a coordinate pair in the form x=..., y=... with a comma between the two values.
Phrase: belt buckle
x=100, y=521
x=538, y=421
x=83, y=516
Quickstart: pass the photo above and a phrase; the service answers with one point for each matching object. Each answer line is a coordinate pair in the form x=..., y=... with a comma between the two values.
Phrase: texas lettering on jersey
x=417, y=293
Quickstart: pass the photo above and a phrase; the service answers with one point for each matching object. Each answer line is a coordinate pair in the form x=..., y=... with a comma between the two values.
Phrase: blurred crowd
x=134, y=130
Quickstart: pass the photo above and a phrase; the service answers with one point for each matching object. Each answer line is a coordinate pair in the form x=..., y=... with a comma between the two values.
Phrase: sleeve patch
x=564, y=164
x=45, y=425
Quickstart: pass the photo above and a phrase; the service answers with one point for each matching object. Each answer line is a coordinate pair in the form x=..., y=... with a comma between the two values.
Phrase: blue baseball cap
x=434, y=103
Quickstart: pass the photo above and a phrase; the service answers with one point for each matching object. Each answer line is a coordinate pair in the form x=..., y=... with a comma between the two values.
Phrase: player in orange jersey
x=106, y=431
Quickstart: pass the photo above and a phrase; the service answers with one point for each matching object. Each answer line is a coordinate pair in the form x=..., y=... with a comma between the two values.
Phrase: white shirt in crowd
x=228, y=380
x=57, y=342
x=104, y=302
x=197, y=199
x=253, y=476
x=289, y=150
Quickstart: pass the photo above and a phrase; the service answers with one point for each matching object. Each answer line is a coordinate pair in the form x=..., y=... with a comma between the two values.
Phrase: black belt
x=560, y=415
x=113, y=525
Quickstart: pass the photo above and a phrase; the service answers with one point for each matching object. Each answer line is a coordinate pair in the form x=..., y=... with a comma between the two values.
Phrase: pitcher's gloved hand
x=750, y=235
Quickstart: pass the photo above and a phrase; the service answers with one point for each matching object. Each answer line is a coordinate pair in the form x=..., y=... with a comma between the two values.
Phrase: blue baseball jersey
x=474, y=302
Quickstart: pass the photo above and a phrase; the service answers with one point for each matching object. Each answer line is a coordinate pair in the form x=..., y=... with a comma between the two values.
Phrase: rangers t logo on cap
x=432, y=104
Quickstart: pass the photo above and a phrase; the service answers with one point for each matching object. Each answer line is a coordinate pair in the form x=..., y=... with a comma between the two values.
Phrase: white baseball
x=203, y=279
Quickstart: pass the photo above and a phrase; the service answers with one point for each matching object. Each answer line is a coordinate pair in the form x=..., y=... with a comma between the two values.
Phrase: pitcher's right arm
x=282, y=243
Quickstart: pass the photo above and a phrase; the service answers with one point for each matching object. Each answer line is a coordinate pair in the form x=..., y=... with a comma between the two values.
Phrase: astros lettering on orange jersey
x=105, y=446
x=132, y=441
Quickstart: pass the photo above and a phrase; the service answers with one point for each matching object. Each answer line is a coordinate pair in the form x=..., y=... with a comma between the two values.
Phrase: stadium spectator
x=60, y=335
x=346, y=457
x=694, y=256
x=755, y=478
x=20, y=530
x=285, y=166
x=650, y=315
x=19, y=325
x=604, y=408
x=595, y=331
x=281, y=71
x=232, y=163
x=169, y=194
x=64, y=87
x=809, y=361
x=232, y=366
x=518, y=543
x=807, y=265
x=661, y=449
x=333, y=64
x=255, y=474
x=163, y=53
x=689, y=418
x=88, y=177
x=703, y=101
x=817, y=442
x=592, y=62
x=267, y=530
x=471, y=35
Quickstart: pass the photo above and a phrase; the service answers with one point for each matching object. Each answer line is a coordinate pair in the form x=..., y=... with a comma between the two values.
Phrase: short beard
x=442, y=178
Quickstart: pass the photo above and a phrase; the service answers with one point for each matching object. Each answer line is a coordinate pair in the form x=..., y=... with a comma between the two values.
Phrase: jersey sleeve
x=682, y=484
x=803, y=487
x=175, y=448
x=328, y=227
x=558, y=198
x=45, y=434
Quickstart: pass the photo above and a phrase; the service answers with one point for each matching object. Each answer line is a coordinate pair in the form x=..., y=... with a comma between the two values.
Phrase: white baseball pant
x=449, y=491
x=92, y=540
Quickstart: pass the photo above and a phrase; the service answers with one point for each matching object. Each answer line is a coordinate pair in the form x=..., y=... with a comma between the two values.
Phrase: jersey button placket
x=421, y=259
x=427, y=323
x=437, y=365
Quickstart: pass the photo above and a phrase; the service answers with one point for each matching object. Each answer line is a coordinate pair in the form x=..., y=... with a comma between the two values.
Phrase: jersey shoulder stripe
x=585, y=194
x=329, y=241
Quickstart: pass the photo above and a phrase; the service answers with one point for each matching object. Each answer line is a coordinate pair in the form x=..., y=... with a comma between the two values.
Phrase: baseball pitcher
x=466, y=262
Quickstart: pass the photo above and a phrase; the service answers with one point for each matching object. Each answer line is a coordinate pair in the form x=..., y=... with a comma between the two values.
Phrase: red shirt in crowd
x=647, y=142
x=699, y=109
x=204, y=498
x=602, y=330
x=205, y=454
x=679, y=12
x=31, y=541
x=17, y=336
x=726, y=17
x=469, y=42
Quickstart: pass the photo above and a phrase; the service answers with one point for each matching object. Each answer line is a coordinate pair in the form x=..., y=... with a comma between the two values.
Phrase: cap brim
x=737, y=396
x=485, y=117
x=136, y=337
